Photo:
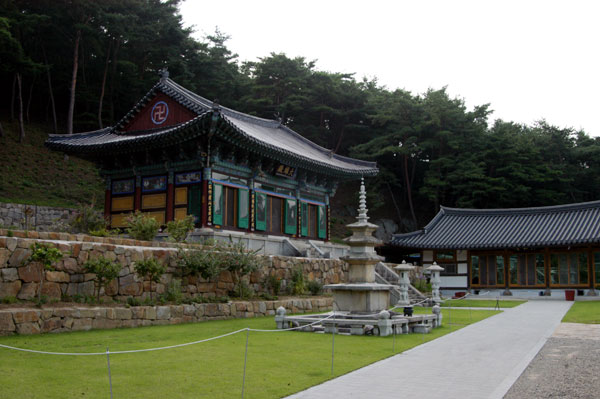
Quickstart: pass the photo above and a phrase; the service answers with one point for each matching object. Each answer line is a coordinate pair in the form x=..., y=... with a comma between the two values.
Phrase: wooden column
x=107, y=199
x=170, y=197
x=206, y=198
x=138, y=193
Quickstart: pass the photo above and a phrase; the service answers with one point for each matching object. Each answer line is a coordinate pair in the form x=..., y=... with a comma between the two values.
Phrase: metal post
x=332, y=341
x=109, y=376
x=394, y=339
x=450, y=317
x=245, y=359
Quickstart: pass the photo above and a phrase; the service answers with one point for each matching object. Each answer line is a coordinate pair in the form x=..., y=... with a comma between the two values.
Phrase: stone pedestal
x=436, y=282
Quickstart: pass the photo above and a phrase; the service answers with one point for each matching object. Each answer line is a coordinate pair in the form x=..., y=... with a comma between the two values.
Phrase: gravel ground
x=568, y=366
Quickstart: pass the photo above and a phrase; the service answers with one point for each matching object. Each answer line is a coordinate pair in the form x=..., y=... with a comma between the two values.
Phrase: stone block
x=59, y=277
x=10, y=288
x=189, y=310
x=11, y=243
x=4, y=256
x=30, y=273
x=83, y=257
x=19, y=257
x=128, y=286
x=70, y=265
x=211, y=310
x=51, y=324
x=51, y=290
x=6, y=322
x=86, y=288
x=45, y=314
x=28, y=328
x=225, y=277
x=150, y=313
x=26, y=316
x=85, y=313
x=163, y=312
x=262, y=307
x=200, y=311
x=112, y=288
x=130, y=323
x=123, y=313
x=67, y=323
x=105, y=324
x=177, y=311
x=84, y=324
x=111, y=314
x=28, y=291
x=137, y=312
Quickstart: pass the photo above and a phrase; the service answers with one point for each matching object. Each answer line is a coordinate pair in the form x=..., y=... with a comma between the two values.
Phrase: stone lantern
x=403, y=282
x=435, y=270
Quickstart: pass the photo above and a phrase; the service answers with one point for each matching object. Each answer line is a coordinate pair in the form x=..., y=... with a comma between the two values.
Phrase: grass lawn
x=583, y=312
x=279, y=363
x=481, y=303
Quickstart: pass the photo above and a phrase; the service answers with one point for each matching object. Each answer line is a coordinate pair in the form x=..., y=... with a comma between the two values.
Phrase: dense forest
x=77, y=65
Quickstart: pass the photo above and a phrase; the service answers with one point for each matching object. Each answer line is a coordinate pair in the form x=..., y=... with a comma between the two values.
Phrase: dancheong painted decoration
x=176, y=153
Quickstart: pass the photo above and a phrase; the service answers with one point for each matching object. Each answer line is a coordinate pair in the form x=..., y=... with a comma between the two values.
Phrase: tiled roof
x=263, y=135
x=561, y=225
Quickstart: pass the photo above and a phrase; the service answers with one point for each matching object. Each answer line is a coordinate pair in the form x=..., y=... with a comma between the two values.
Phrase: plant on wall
x=142, y=227
x=298, y=283
x=105, y=271
x=46, y=256
x=150, y=268
x=179, y=229
x=240, y=262
x=87, y=219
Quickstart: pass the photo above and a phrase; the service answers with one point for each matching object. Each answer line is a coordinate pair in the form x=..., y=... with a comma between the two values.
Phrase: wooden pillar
x=252, y=206
x=206, y=198
x=170, y=197
x=138, y=193
x=107, y=199
x=328, y=218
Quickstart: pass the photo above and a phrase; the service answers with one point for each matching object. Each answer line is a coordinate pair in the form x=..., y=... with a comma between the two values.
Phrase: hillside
x=32, y=174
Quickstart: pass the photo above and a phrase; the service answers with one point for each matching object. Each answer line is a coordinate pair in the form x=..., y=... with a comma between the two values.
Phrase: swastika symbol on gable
x=159, y=113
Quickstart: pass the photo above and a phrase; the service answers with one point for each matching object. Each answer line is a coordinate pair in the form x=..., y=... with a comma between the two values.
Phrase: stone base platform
x=382, y=324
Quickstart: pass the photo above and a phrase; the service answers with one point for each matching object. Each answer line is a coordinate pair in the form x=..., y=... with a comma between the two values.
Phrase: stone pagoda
x=361, y=294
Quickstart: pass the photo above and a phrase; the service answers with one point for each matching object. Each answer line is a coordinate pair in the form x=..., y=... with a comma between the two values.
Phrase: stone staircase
x=386, y=275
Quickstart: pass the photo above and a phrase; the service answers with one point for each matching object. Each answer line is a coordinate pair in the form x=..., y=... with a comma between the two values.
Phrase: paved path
x=479, y=361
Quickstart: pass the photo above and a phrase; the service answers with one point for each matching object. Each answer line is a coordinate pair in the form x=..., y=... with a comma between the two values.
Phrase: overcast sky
x=529, y=59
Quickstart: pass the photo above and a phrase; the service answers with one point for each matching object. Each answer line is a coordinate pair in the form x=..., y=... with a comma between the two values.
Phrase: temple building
x=535, y=251
x=176, y=154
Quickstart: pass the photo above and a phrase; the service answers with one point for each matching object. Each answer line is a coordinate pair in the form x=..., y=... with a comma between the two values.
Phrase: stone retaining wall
x=33, y=217
x=61, y=319
x=21, y=280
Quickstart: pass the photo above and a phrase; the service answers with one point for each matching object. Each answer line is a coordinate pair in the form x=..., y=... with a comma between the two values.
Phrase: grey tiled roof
x=262, y=135
x=562, y=225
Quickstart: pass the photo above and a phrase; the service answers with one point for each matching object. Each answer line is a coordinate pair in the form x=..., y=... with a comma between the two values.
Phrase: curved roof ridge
x=103, y=130
x=537, y=209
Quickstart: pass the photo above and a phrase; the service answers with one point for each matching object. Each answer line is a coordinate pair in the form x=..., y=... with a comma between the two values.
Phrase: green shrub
x=87, y=219
x=9, y=300
x=314, y=287
x=179, y=229
x=142, y=227
x=205, y=263
x=46, y=256
x=105, y=271
x=103, y=232
x=240, y=262
x=151, y=269
x=173, y=293
x=131, y=301
x=273, y=284
x=298, y=285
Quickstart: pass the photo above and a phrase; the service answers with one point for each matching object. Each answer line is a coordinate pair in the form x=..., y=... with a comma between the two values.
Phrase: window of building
x=487, y=270
x=527, y=270
x=569, y=268
x=447, y=260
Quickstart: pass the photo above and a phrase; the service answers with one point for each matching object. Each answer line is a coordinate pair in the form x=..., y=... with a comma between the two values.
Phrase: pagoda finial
x=164, y=73
x=362, y=201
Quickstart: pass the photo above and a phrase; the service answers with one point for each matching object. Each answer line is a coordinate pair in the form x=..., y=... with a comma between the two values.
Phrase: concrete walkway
x=479, y=361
